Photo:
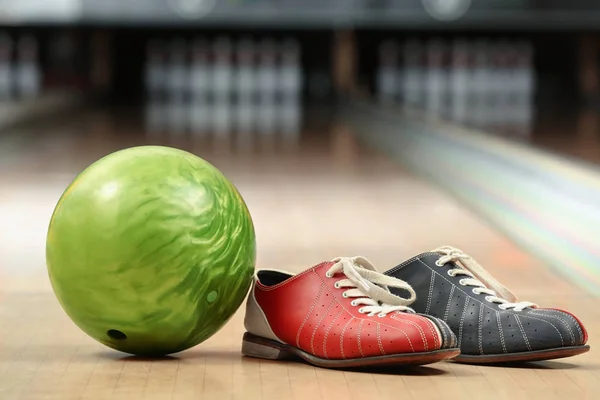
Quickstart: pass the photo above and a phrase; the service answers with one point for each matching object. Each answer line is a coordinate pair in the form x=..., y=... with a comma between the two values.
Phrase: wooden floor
x=324, y=199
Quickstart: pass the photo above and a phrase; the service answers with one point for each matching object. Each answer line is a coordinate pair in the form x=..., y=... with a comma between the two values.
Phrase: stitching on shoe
x=480, y=328
x=309, y=313
x=523, y=332
x=358, y=337
x=430, y=295
x=563, y=321
x=377, y=330
x=501, y=330
x=462, y=320
x=448, y=303
x=413, y=323
x=461, y=290
x=481, y=303
x=329, y=329
x=352, y=318
x=312, y=340
x=406, y=335
x=429, y=323
x=581, y=336
x=442, y=331
x=548, y=322
x=452, y=283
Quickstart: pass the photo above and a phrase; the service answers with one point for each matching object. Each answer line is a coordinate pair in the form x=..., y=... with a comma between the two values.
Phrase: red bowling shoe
x=341, y=314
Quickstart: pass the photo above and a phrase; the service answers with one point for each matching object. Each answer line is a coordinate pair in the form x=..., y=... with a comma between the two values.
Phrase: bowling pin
x=222, y=77
x=414, y=75
x=290, y=86
x=245, y=90
x=387, y=73
x=482, y=87
x=199, y=84
x=27, y=68
x=267, y=89
x=6, y=71
x=177, y=78
x=524, y=87
x=501, y=85
x=155, y=85
x=459, y=80
x=436, y=77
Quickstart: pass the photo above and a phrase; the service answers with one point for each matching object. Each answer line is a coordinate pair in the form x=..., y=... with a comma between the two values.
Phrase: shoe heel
x=257, y=347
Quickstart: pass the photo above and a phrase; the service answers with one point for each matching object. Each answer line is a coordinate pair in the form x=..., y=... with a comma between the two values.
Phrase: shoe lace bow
x=479, y=278
x=369, y=287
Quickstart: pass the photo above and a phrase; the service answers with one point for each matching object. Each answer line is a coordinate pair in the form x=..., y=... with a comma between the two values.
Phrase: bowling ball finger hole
x=116, y=335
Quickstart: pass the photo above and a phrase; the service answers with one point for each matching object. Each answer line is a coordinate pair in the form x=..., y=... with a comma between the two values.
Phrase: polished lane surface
x=311, y=199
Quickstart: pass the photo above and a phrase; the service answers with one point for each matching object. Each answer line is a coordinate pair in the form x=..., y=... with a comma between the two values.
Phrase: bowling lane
x=572, y=133
x=515, y=102
x=323, y=197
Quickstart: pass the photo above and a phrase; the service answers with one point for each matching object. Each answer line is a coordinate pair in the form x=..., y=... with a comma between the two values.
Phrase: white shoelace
x=370, y=287
x=482, y=280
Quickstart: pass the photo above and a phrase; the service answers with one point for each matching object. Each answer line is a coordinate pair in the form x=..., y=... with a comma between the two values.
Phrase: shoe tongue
x=487, y=279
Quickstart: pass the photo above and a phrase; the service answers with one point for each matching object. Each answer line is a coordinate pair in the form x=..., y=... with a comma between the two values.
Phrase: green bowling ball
x=151, y=250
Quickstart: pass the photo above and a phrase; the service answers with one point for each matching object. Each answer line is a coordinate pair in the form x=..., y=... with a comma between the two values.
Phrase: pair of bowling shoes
x=436, y=306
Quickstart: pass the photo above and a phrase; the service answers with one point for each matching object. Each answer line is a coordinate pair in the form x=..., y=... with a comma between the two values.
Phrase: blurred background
x=493, y=102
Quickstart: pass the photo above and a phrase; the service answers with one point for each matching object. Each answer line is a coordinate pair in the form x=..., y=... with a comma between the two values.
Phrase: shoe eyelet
x=381, y=315
x=437, y=263
x=502, y=307
x=450, y=273
x=353, y=303
x=475, y=291
x=336, y=285
x=344, y=295
x=360, y=310
x=487, y=298
x=328, y=275
x=461, y=282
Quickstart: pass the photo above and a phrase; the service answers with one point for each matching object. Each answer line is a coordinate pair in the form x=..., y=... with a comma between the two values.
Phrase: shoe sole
x=529, y=356
x=259, y=347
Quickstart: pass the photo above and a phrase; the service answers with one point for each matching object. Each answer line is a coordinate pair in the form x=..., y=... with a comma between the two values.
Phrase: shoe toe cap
x=553, y=328
x=449, y=340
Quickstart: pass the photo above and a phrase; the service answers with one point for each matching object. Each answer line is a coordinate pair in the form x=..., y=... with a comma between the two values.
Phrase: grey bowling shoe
x=490, y=324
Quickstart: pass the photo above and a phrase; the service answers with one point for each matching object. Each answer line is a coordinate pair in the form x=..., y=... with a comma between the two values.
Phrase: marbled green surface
x=153, y=242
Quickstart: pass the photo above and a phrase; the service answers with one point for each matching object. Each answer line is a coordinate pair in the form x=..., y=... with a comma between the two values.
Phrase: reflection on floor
x=575, y=135
x=566, y=132
x=326, y=197
x=543, y=202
